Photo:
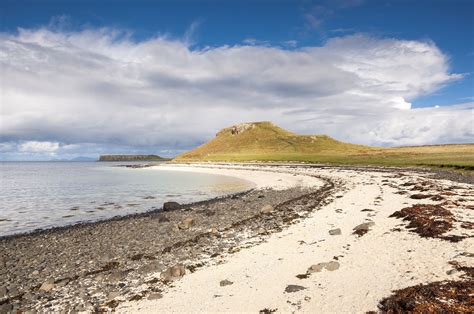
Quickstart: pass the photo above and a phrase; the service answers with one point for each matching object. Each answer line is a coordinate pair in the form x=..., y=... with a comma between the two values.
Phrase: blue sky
x=449, y=23
x=445, y=28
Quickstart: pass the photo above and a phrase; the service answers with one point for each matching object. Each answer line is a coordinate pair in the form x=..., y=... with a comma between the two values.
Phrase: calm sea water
x=38, y=195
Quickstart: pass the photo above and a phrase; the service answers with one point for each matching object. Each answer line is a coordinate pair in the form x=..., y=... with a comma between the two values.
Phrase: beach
x=304, y=239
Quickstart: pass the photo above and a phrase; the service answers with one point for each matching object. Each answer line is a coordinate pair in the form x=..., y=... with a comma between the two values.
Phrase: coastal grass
x=265, y=142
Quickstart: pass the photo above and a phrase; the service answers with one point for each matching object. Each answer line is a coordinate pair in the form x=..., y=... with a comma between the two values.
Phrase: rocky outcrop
x=130, y=157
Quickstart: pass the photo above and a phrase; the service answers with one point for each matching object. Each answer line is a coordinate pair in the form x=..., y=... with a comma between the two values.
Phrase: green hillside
x=264, y=141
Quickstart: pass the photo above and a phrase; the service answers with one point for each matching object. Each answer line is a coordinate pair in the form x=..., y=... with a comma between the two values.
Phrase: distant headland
x=132, y=158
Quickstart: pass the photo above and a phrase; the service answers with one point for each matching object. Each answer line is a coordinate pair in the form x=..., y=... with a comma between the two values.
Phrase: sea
x=42, y=195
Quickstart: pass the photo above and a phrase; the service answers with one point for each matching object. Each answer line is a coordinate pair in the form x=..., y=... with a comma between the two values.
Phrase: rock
x=63, y=282
x=167, y=206
x=113, y=294
x=6, y=308
x=225, y=283
x=335, y=231
x=316, y=268
x=332, y=266
x=116, y=276
x=362, y=229
x=48, y=285
x=163, y=219
x=187, y=223
x=151, y=267
x=213, y=231
x=266, y=209
x=293, y=288
x=155, y=296
x=420, y=196
x=35, y=273
x=3, y=292
x=173, y=273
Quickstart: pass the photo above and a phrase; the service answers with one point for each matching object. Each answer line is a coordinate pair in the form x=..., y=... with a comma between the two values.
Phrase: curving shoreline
x=235, y=248
x=64, y=267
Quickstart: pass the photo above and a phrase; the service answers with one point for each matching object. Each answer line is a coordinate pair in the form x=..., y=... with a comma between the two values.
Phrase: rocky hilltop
x=130, y=158
x=266, y=141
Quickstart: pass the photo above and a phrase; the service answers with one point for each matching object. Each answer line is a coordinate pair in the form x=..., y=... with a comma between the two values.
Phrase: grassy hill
x=263, y=141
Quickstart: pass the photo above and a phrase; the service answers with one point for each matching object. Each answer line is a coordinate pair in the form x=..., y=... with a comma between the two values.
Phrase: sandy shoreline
x=236, y=256
x=369, y=267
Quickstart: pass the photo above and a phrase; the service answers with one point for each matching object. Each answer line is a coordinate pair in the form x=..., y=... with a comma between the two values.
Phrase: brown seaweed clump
x=436, y=297
x=429, y=221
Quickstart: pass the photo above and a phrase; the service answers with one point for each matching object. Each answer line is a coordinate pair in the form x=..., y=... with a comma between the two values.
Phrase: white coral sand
x=370, y=266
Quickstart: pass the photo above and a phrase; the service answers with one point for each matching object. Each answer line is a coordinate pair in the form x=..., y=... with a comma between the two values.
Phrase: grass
x=263, y=141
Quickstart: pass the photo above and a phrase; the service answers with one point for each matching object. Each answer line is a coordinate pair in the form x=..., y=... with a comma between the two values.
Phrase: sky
x=84, y=78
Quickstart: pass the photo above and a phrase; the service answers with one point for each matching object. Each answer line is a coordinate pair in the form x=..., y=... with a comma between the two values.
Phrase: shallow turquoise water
x=46, y=194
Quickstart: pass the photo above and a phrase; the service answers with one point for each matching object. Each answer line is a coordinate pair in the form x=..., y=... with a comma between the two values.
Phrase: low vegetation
x=263, y=141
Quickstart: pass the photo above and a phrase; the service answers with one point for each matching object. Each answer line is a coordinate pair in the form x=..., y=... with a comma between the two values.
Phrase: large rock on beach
x=167, y=206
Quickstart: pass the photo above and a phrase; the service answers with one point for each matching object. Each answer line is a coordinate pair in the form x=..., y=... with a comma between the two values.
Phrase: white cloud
x=101, y=88
x=38, y=147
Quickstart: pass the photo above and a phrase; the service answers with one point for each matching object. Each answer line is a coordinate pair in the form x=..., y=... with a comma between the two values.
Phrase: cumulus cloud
x=38, y=147
x=99, y=89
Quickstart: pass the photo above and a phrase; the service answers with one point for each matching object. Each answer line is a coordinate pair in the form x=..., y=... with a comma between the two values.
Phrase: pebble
x=186, y=224
x=173, y=273
x=335, y=231
x=332, y=266
x=155, y=296
x=48, y=285
x=225, y=283
x=293, y=288
x=266, y=209
x=3, y=292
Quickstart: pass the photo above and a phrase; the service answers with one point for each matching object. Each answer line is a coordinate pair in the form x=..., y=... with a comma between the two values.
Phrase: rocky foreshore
x=95, y=266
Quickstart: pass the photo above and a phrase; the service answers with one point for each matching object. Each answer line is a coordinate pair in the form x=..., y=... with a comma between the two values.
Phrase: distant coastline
x=132, y=158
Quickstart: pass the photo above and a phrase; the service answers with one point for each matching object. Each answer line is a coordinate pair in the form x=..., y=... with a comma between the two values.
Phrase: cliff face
x=130, y=157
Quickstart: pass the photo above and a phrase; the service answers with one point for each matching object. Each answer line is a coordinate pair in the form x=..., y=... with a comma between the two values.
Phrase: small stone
x=155, y=296
x=266, y=209
x=362, y=229
x=335, y=231
x=113, y=294
x=3, y=292
x=173, y=272
x=116, y=276
x=35, y=273
x=63, y=282
x=151, y=267
x=6, y=308
x=332, y=266
x=293, y=288
x=316, y=268
x=163, y=219
x=48, y=285
x=225, y=283
x=167, y=206
x=187, y=223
